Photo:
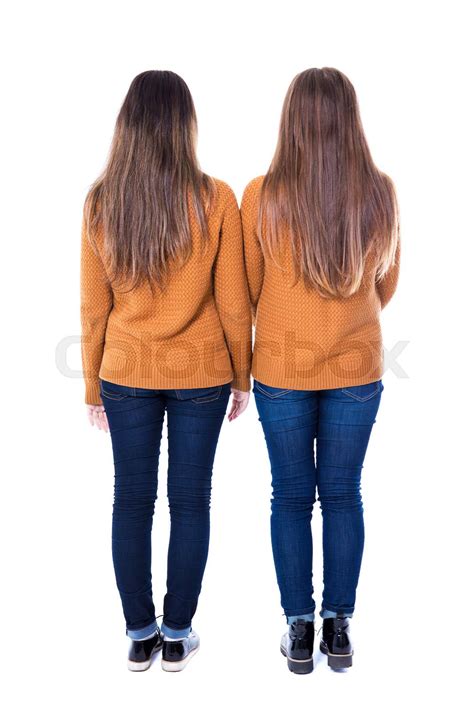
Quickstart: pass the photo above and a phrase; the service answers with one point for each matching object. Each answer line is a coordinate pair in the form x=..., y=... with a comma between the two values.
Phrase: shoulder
x=224, y=194
x=254, y=187
x=251, y=194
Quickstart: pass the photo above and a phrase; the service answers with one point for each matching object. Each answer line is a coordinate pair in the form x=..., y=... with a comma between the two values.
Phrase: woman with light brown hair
x=322, y=252
x=166, y=328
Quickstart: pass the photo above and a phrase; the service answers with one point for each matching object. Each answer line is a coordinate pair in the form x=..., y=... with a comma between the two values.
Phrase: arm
x=387, y=285
x=96, y=304
x=254, y=261
x=231, y=293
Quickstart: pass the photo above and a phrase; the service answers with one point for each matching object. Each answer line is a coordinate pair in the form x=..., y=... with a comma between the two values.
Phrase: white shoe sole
x=178, y=666
x=138, y=666
x=142, y=666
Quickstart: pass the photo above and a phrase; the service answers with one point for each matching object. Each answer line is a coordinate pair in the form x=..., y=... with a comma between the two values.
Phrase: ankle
x=327, y=614
x=307, y=617
x=174, y=635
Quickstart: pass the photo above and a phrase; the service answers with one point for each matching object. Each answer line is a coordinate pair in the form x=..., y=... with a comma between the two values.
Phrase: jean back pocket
x=362, y=393
x=200, y=395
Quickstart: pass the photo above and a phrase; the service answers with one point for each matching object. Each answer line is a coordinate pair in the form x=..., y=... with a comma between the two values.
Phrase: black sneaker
x=178, y=652
x=335, y=642
x=141, y=652
x=297, y=646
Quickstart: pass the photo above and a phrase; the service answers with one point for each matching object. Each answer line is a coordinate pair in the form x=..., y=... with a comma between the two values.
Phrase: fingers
x=97, y=417
x=90, y=415
x=240, y=401
x=104, y=425
x=231, y=413
x=107, y=428
x=234, y=410
x=244, y=403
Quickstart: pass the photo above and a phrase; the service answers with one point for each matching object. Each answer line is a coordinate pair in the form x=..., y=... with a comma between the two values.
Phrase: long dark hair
x=324, y=190
x=151, y=183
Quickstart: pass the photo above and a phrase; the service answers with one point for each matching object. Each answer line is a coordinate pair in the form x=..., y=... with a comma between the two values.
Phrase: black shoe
x=335, y=642
x=141, y=652
x=177, y=653
x=297, y=646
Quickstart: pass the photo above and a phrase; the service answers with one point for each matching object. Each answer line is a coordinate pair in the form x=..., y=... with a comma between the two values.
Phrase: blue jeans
x=340, y=421
x=135, y=417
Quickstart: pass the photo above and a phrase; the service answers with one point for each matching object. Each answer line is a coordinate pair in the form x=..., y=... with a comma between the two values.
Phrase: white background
x=65, y=70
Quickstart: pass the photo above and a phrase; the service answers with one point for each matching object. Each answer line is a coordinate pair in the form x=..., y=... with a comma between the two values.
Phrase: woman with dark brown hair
x=166, y=327
x=322, y=251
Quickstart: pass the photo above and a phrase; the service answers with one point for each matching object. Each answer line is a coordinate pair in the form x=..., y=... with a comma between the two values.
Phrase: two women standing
x=170, y=285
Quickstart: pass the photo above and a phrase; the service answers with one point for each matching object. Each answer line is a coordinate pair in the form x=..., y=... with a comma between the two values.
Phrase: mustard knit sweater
x=304, y=341
x=195, y=333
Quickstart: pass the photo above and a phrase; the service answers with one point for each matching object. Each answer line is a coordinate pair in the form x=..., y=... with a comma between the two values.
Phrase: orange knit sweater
x=196, y=333
x=304, y=341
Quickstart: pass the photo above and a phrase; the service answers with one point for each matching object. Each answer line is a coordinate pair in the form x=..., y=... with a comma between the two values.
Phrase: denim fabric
x=144, y=632
x=194, y=419
x=308, y=617
x=174, y=634
x=340, y=422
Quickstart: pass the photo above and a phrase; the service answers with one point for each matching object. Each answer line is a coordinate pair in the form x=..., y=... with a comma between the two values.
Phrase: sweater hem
x=154, y=377
x=275, y=377
x=161, y=384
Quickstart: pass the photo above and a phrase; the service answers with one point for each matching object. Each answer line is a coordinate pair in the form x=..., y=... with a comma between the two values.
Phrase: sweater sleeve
x=387, y=285
x=231, y=293
x=254, y=260
x=96, y=304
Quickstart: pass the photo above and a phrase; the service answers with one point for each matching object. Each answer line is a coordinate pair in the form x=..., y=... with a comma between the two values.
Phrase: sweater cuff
x=241, y=383
x=93, y=396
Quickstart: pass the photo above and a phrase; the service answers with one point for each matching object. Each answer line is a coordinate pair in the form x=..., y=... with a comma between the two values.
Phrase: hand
x=96, y=416
x=240, y=400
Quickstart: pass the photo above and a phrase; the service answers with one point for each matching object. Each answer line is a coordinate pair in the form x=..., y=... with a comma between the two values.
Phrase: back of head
x=323, y=189
x=151, y=181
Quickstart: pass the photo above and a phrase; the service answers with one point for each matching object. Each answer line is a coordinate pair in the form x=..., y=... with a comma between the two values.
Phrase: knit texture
x=304, y=341
x=195, y=333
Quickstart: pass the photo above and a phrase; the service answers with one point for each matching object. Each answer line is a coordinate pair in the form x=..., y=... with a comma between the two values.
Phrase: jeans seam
x=270, y=395
x=114, y=396
x=205, y=398
x=208, y=398
x=117, y=396
x=362, y=399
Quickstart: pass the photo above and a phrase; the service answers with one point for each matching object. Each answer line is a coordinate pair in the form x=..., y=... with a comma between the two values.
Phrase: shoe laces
x=340, y=625
x=299, y=627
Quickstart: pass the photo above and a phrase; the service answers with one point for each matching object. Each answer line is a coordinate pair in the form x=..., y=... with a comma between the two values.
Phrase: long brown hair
x=324, y=190
x=151, y=182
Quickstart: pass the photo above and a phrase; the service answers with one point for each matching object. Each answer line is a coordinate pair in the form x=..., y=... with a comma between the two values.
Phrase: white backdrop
x=65, y=70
